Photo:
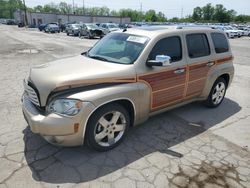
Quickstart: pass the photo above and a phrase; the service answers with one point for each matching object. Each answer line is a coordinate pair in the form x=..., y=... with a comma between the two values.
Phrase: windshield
x=119, y=48
x=76, y=25
x=112, y=26
x=92, y=26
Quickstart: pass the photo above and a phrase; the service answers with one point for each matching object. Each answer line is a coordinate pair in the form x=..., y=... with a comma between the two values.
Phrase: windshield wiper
x=98, y=57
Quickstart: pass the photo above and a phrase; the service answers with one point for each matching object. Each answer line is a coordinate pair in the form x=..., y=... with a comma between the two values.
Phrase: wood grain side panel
x=196, y=87
x=162, y=80
x=167, y=96
x=224, y=60
x=198, y=71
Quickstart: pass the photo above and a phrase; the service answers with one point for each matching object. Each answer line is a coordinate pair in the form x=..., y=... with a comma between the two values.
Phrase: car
x=126, y=77
x=41, y=27
x=91, y=31
x=20, y=24
x=73, y=29
x=246, y=31
x=109, y=27
x=52, y=28
x=230, y=33
x=239, y=32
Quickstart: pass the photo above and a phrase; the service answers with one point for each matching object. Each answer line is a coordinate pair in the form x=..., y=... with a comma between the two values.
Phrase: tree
x=208, y=12
x=161, y=17
x=38, y=8
x=150, y=16
x=51, y=8
x=197, y=14
x=242, y=18
x=64, y=8
x=7, y=8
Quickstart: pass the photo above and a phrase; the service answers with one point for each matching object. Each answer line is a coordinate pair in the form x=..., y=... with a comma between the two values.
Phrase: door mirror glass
x=164, y=59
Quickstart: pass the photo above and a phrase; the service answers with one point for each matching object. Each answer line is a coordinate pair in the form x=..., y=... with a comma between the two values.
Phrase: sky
x=171, y=8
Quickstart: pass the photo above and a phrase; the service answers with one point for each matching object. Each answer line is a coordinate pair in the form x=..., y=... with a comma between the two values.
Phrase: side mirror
x=160, y=60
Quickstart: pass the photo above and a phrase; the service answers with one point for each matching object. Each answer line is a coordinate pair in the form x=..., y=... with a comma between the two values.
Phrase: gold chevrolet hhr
x=126, y=77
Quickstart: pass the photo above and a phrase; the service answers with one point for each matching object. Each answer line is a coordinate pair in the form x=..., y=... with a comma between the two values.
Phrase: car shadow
x=53, y=164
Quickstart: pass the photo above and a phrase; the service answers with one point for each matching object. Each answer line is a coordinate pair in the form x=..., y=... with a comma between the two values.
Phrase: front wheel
x=107, y=127
x=217, y=93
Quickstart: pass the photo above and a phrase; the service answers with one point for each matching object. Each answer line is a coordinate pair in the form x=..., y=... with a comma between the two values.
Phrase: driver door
x=167, y=83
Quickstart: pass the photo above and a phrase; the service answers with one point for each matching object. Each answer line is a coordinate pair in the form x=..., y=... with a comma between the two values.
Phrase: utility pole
x=25, y=14
x=182, y=12
x=141, y=10
x=73, y=6
x=83, y=12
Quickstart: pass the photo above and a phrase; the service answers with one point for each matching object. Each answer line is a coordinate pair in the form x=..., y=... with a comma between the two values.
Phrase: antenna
x=182, y=12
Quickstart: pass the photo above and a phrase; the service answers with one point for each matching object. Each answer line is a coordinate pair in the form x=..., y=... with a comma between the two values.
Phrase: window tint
x=220, y=42
x=170, y=46
x=197, y=45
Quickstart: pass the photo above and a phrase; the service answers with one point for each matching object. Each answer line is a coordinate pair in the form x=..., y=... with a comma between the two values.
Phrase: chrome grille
x=31, y=94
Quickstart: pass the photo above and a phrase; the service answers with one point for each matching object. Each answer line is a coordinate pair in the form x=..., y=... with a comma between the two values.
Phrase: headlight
x=68, y=107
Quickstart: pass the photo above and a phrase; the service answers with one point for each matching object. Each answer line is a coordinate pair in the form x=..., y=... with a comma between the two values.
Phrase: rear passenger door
x=199, y=63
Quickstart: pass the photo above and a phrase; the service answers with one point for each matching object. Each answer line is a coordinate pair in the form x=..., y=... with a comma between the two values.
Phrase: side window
x=197, y=45
x=170, y=46
x=220, y=42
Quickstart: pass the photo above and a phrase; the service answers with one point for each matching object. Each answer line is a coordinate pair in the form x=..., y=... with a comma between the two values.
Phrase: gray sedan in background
x=73, y=29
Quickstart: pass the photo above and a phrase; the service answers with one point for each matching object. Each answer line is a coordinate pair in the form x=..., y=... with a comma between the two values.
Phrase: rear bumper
x=57, y=129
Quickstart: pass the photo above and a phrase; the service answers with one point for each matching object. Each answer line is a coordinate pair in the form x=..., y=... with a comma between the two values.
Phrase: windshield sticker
x=137, y=39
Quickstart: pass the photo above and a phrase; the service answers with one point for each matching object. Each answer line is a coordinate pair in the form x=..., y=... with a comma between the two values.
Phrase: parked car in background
x=73, y=29
x=240, y=33
x=52, y=28
x=229, y=33
x=246, y=31
x=128, y=76
x=10, y=22
x=109, y=27
x=20, y=24
x=91, y=30
x=41, y=27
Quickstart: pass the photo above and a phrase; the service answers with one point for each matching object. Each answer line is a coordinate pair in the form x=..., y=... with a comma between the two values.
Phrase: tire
x=89, y=36
x=217, y=93
x=80, y=36
x=111, y=133
x=67, y=34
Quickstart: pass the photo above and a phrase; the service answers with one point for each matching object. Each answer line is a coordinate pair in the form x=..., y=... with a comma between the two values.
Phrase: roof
x=151, y=31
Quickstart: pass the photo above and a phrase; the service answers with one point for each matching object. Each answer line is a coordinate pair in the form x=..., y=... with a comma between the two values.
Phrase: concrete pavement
x=191, y=146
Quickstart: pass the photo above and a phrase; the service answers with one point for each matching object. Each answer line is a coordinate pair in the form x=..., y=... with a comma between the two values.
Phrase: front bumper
x=57, y=129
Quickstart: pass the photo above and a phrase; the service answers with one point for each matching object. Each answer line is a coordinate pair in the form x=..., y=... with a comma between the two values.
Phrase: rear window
x=197, y=45
x=220, y=42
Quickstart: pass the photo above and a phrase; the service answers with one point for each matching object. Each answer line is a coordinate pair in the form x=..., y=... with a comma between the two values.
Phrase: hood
x=77, y=72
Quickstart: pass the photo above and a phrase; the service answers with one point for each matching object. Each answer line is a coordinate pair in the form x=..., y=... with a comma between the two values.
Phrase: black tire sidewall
x=91, y=126
x=209, y=101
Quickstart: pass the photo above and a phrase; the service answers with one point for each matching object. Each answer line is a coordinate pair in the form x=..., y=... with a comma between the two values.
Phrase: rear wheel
x=217, y=93
x=107, y=127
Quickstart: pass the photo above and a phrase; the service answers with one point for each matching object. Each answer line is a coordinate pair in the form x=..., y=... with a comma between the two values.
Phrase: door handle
x=179, y=71
x=210, y=64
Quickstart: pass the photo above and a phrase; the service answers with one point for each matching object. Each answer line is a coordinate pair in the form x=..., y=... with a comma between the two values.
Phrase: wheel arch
x=226, y=77
x=127, y=103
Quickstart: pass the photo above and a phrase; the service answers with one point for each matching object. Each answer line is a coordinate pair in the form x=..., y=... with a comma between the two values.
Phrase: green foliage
x=242, y=18
x=217, y=13
x=7, y=8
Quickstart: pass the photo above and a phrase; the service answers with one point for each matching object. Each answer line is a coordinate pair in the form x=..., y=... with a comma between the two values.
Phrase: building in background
x=36, y=18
